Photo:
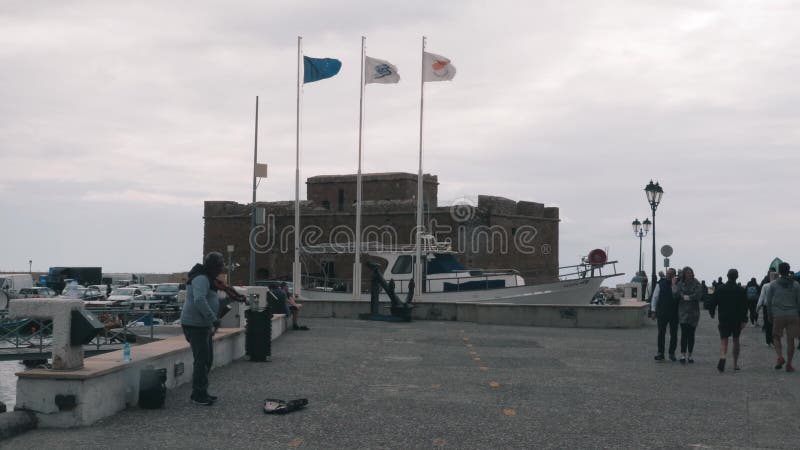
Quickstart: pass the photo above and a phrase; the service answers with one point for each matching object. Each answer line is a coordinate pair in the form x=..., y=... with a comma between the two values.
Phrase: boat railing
x=428, y=246
x=462, y=282
x=327, y=284
x=491, y=272
x=588, y=270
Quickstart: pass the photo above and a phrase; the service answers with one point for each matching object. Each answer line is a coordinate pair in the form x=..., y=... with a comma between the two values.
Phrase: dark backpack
x=752, y=293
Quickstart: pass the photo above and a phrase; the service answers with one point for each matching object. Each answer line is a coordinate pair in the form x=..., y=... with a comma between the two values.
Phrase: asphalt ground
x=455, y=385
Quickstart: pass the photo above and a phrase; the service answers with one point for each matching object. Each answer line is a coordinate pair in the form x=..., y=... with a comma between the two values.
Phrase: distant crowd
x=677, y=298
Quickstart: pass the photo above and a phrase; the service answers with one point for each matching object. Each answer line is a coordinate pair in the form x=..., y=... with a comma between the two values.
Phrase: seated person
x=282, y=302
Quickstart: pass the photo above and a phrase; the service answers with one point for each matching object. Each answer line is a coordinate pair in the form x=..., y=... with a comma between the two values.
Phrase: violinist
x=199, y=320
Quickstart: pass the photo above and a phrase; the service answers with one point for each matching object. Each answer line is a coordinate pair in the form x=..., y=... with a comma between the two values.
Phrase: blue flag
x=315, y=69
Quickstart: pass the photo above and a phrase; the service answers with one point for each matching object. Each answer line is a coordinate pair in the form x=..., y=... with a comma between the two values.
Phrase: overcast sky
x=118, y=119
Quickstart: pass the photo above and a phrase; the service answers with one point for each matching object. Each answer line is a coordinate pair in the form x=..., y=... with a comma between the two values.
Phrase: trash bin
x=152, y=387
x=258, y=335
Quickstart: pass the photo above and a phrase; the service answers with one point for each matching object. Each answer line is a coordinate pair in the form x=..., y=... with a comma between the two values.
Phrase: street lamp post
x=30, y=266
x=640, y=230
x=230, y=265
x=654, y=192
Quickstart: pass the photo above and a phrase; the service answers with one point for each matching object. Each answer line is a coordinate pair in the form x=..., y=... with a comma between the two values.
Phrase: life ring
x=597, y=257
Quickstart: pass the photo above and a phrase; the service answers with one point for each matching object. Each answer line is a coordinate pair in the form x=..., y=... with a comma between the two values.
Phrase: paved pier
x=432, y=385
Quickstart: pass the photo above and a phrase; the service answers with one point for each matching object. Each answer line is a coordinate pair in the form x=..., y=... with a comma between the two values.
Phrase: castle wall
x=497, y=233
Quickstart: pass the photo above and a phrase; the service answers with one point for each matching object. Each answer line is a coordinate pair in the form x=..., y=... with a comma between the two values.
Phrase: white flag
x=379, y=71
x=436, y=68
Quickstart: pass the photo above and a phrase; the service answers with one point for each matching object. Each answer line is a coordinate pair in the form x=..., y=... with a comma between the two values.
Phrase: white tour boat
x=446, y=280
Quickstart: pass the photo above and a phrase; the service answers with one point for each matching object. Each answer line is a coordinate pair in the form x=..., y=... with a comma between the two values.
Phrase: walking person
x=752, y=291
x=199, y=321
x=689, y=294
x=766, y=326
x=783, y=304
x=730, y=301
x=664, y=308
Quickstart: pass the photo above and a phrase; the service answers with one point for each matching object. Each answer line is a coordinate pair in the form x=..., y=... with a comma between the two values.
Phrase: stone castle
x=493, y=232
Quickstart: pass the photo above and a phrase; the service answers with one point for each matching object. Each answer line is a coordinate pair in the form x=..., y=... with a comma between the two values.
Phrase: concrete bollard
x=65, y=355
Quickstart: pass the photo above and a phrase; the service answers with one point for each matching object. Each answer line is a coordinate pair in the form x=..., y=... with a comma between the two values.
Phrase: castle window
x=326, y=204
x=341, y=199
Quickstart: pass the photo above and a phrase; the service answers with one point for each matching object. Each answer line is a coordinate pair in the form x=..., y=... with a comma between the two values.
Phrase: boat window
x=403, y=264
x=443, y=263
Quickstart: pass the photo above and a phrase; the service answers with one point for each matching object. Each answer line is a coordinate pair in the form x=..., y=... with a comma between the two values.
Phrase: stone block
x=531, y=209
x=497, y=205
x=65, y=355
x=551, y=212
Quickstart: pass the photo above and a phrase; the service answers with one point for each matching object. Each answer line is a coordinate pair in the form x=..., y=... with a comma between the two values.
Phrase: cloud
x=135, y=196
x=577, y=104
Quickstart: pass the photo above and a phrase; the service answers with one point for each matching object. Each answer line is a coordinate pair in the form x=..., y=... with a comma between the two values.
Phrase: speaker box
x=85, y=326
x=152, y=387
x=258, y=334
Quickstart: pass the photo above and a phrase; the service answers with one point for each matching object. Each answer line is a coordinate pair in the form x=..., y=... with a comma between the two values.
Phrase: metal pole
x=418, y=262
x=229, y=268
x=641, y=235
x=252, y=280
x=653, y=273
x=357, y=263
x=296, y=265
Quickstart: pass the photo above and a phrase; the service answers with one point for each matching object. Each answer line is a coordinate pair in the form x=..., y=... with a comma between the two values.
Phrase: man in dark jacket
x=664, y=308
x=199, y=320
x=730, y=300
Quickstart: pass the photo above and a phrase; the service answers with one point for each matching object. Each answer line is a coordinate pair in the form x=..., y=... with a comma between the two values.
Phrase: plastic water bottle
x=126, y=352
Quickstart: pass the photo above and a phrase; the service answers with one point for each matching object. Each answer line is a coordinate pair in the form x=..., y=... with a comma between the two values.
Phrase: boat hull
x=567, y=292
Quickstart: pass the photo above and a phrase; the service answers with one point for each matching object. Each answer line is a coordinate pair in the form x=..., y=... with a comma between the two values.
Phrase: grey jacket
x=783, y=297
x=689, y=310
x=202, y=304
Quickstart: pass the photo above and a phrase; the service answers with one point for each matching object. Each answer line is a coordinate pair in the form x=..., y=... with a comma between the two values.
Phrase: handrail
x=375, y=247
x=21, y=333
x=581, y=270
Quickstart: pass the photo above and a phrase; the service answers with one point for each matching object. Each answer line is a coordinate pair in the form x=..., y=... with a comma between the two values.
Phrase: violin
x=231, y=292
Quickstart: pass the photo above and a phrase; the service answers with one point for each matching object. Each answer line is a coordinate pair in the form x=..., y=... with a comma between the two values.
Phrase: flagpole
x=252, y=274
x=418, y=266
x=357, y=263
x=296, y=272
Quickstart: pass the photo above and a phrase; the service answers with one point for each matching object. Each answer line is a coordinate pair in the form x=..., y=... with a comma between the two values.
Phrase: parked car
x=90, y=293
x=36, y=292
x=102, y=288
x=168, y=293
x=147, y=291
x=122, y=296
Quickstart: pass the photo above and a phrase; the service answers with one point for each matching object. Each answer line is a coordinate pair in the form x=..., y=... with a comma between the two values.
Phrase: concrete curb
x=17, y=422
